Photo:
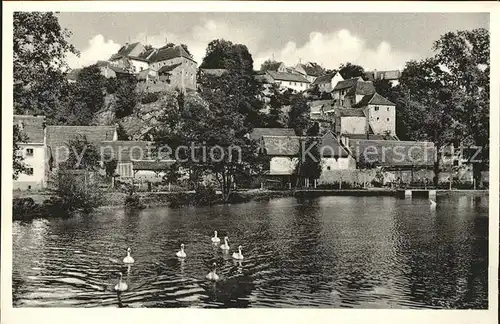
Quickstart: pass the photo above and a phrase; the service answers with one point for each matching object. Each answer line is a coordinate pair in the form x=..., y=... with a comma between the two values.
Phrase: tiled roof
x=257, y=133
x=285, y=76
x=330, y=147
x=152, y=165
x=126, y=49
x=312, y=69
x=273, y=66
x=373, y=99
x=168, y=68
x=393, y=153
x=368, y=137
x=362, y=88
x=169, y=53
x=111, y=66
x=346, y=84
x=327, y=78
x=32, y=127
x=124, y=151
x=281, y=145
x=350, y=112
x=59, y=136
x=325, y=104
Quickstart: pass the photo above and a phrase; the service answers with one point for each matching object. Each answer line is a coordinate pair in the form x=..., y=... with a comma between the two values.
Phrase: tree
x=17, y=154
x=40, y=48
x=383, y=87
x=82, y=155
x=299, y=117
x=465, y=57
x=349, y=70
x=126, y=97
x=269, y=65
x=86, y=97
x=223, y=54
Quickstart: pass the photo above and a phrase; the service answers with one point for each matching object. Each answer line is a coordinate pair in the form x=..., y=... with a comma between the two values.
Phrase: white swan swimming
x=433, y=203
x=181, y=253
x=121, y=286
x=225, y=246
x=238, y=255
x=213, y=275
x=128, y=259
x=215, y=239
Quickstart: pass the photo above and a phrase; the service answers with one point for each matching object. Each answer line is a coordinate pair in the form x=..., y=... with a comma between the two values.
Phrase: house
x=130, y=57
x=58, y=137
x=322, y=109
x=292, y=81
x=326, y=83
x=176, y=64
x=392, y=75
x=350, y=121
x=34, y=151
x=393, y=154
x=349, y=92
x=309, y=70
x=277, y=67
x=380, y=112
x=111, y=71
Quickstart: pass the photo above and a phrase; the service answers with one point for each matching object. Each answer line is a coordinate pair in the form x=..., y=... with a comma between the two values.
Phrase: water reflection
x=327, y=252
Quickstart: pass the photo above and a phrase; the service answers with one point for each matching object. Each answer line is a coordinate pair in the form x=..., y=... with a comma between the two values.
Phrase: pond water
x=330, y=252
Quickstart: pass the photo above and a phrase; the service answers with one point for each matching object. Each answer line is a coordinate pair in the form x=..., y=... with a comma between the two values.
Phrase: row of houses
x=47, y=146
x=156, y=69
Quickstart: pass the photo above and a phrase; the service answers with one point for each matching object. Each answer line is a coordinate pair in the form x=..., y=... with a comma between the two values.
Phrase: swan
x=128, y=258
x=433, y=203
x=212, y=276
x=181, y=253
x=121, y=286
x=215, y=239
x=225, y=246
x=238, y=256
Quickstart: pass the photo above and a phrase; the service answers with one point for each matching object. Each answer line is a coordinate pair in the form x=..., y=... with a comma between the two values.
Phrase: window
x=378, y=118
x=328, y=168
x=376, y=108
x=387, y=108
x=29, y=152
x=387, y=119
x=29, y=171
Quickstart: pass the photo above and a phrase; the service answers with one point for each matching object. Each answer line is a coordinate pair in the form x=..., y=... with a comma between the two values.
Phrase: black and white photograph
x=244, y=159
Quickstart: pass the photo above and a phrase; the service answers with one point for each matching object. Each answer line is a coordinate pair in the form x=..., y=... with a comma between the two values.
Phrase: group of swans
x=212, y=275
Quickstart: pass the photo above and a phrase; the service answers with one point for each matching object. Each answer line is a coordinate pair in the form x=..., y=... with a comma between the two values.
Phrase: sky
x=373, y=40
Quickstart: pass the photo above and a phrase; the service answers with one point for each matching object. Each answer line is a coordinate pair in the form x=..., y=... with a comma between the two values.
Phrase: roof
x=312, y=69
x=168, y=53
x=362, y=88
x=273, y=66
x=370, y=137
x=257, y=133
x=32, y=127
x=350, y=112
x=124, y=151
x=59, y=136
x=142, y=75
x=373, y=99
x=215, y=72
x=111, y=66
x=345, y=84
x=393, y=153
x=387, y=75
x=327, y=78
x=327, y=104
x=152, y=165
x=127, y=49
x=281, y=145
x=285, y=76
x=330, y=147
x=168, y=68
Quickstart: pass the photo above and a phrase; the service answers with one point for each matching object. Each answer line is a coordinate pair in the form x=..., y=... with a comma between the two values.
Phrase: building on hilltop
x=392, y=76
x=288, y=80
x=34, y=152
x=349, y=92
x=380, y=112
x=309, y=70
x=327, y=82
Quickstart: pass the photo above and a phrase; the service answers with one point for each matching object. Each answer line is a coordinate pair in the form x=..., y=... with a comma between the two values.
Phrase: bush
x=74, y=194
x=133, y=201
x=205, y=195
x=149, y=97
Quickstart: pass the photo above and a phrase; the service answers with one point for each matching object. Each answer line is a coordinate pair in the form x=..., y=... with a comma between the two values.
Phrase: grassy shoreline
x=153, y=199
